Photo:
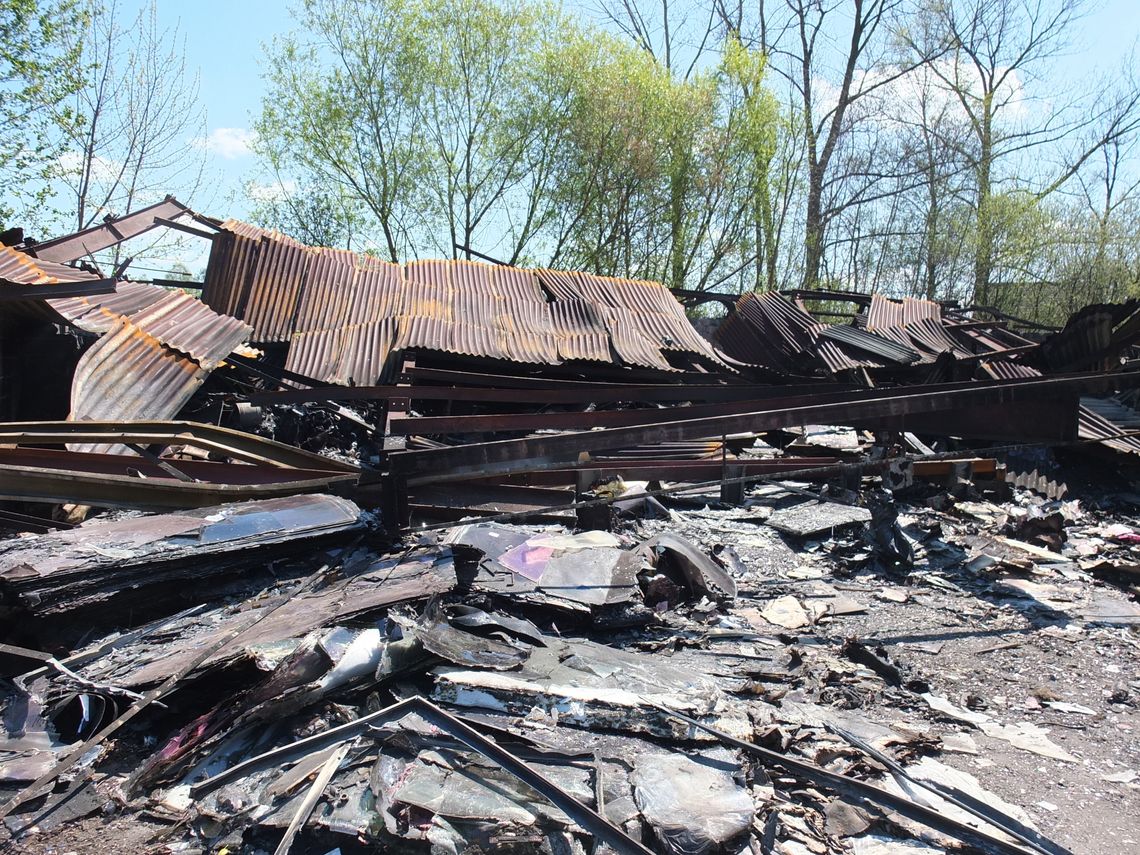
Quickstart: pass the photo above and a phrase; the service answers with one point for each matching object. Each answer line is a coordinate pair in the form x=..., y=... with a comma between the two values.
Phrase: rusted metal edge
x=76, y=246
x=233, y=443
x=33, y=484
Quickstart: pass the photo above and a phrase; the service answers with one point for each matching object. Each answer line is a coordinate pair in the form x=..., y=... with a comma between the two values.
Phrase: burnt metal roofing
x=99, y=314
x=22, y=276
x=882, y=348
x=768, y=330
x=344, y=314
x=131, y=374
x=1109, y=421
x=157, y=348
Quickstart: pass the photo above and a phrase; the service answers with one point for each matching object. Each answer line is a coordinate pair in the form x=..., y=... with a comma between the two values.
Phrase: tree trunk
x=813, y=229
x=984, y=248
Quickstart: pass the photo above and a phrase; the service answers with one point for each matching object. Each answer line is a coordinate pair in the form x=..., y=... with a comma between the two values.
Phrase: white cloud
x=103, y=170
x=905, y=98
x=274, y=192
x=227, y=143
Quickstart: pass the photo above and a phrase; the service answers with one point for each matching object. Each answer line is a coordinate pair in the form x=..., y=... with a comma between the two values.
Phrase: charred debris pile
x=451, y=556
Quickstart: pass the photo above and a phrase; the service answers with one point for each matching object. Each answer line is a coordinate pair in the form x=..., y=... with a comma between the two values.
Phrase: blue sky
x=224, y=45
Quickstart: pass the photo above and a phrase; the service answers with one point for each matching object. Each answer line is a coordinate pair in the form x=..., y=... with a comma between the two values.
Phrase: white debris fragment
x=787, y=612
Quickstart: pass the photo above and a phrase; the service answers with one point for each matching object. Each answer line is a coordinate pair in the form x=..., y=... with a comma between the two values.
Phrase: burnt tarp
x=137, y=563
x=344, y=315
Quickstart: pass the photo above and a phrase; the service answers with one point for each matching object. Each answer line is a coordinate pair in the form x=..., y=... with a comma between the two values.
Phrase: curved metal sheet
x=130, y=374
x=22, y=276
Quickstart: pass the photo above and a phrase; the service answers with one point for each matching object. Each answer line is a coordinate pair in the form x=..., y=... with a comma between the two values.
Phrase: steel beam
x=600, y=393
x=73, y=247
x=546, y=452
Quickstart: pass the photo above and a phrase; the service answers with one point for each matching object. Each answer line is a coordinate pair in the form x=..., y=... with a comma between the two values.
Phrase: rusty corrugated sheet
x=130, y=374
x=314, y=297
x=783, y=334
x=99, y=314
x=149, y=362
x=1108, y=420
x=579, y=331
x=1005, y=369
x=182, y=323
x=23, y=277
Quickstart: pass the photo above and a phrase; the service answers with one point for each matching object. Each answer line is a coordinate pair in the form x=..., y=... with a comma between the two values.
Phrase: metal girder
x=668, y=470
x=233, y=443
x=52, y=475
x=76, y=246
x=546, y=452
x=1043, y=421
x=707, y=470
x=33, y=484
x=82, y=288
x=412, y=425
x=587, y=393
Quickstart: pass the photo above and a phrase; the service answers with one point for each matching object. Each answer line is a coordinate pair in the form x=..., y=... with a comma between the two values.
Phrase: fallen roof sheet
x=23, y=277
x=331, y=306
x=1110, y=422
x=771, y=332
x=149, y=363
x=97, y=314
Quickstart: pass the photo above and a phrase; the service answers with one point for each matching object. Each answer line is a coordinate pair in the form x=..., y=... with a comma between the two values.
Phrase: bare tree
x=139, y=112
x=833, y=56
x=989, y=53
x=677, y=35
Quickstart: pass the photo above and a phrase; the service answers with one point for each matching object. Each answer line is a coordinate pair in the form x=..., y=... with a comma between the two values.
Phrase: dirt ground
x=994, y=641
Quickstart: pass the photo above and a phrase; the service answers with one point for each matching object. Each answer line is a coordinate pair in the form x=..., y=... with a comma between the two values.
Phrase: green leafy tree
x=39, y=70
x=503, y=127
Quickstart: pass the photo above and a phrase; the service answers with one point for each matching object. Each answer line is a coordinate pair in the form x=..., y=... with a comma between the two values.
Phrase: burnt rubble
x=352, y=556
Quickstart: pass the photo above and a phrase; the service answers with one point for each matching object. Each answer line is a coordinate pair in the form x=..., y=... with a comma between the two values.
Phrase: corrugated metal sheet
x=312, y=298
x=182, y=323
x=918, y=324
x=99, y=314
x=1106, y=419
x=884, y=350
x=785, y=337
x=767, y=330
x=22, y=276
x=157, y=348
x=129, y=374
x=1093, y=337
x=1005, y=369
